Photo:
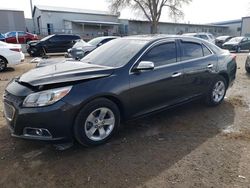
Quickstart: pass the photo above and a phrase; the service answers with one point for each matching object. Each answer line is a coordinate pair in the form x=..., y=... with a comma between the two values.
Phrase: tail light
x=16, y=49
x=234, y=57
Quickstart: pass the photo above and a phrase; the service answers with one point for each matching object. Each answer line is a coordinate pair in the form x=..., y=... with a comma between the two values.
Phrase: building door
x=50, y=28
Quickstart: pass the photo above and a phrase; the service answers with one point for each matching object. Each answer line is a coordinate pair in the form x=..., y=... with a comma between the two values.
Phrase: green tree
x=152, y=9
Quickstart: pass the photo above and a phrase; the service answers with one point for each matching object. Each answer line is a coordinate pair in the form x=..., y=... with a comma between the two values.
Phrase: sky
x=198, y=11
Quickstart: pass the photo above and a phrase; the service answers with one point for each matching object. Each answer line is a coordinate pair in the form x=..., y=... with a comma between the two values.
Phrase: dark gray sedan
x=237, y=44
x=124, y=79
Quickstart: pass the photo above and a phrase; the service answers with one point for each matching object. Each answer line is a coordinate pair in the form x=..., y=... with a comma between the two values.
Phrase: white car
x=10, y=54
x=206, y=36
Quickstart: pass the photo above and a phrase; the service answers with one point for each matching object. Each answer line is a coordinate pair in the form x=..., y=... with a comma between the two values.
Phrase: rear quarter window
x=206, y=51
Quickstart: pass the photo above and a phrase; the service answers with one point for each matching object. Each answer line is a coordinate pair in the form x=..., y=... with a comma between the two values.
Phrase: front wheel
x=97, y=122
x=238, y=49
x=217, y=92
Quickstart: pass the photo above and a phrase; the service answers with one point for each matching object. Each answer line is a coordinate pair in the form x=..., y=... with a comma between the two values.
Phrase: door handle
x=177, y=74
x=210, y=66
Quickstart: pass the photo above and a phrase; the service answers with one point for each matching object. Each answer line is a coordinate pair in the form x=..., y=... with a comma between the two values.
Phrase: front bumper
x=56, y=119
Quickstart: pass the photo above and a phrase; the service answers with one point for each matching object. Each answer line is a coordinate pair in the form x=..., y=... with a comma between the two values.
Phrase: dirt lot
x=191, y=146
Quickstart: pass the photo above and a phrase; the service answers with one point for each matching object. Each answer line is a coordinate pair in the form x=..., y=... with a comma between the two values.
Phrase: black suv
x=58, y=43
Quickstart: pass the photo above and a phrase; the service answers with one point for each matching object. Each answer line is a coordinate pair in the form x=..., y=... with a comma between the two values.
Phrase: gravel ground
x=190, y=146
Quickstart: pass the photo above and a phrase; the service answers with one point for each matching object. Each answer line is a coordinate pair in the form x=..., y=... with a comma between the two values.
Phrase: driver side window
x=162, y=54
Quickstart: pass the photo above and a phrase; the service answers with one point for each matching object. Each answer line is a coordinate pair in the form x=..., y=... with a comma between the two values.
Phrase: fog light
x=36, y=132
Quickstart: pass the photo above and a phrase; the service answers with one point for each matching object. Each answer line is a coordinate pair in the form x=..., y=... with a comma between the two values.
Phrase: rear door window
x=21, y=34
x=191, y=50
x=162, y=54
x=203, y=37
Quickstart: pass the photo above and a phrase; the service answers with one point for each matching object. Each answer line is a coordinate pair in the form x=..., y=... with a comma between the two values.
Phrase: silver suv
x=206, y=36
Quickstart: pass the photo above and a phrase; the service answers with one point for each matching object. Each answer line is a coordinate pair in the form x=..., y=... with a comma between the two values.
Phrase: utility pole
x=33, y=20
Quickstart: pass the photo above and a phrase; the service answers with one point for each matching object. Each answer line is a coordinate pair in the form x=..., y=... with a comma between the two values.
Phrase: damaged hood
x=64, y=72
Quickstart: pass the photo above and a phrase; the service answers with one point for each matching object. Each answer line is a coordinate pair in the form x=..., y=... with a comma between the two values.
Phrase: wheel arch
x=225, y=76
x=115, y=99
x=4, y=59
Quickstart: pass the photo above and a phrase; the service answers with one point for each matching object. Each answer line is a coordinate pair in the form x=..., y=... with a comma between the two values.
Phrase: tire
x=247, y=65
x=33, y=52
x=238, y=49
x=90, y=128
x=216, y=92
x=42, y=52
x=3, y=64
x=27, y=40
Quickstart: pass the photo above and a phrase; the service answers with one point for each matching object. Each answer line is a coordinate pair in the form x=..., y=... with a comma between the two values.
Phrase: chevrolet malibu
x=126, y=78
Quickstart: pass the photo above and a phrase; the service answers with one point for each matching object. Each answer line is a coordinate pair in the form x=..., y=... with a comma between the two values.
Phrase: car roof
x=152, y=38
x=108, y=37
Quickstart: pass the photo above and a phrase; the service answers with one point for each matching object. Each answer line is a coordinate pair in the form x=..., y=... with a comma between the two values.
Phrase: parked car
x=247, y=64
x=206, y=36
x=57, y=43
x=10, y=54
x=237, y=44
x=42, y=62
x=219, y=41
x=81, y=48
x=2, y=38
x=123, y=79
x=19, y=37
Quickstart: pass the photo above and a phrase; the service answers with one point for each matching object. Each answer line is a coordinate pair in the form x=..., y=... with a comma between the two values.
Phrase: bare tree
x=152, y=9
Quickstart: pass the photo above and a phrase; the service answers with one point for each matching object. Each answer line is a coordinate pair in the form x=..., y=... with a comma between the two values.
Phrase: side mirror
x=99, y=44
x=145, y=65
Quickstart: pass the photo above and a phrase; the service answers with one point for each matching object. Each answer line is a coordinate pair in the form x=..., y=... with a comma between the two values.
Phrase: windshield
x=95, y=41
x=115, y=53
x=236, y=39
x=46, y=38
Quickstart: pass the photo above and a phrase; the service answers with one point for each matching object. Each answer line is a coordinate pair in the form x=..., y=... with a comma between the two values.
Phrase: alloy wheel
x=219, y=91
x=99, y=124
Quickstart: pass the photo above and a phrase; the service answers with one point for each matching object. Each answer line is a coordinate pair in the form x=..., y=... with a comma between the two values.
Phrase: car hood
x=231, y=43
x=33, y=42
x=41, y=62
x=68, y=71
x=84, y=48
x=81, y=45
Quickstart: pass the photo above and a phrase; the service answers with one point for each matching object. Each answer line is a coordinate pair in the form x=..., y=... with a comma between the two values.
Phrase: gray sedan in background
x=82, y=48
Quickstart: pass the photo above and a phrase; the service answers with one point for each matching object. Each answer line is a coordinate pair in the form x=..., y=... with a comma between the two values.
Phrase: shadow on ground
x=142, y=150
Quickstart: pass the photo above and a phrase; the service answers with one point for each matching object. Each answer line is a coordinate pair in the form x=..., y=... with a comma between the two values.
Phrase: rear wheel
x=97, y=122
x=217, y=92
x=247, y=65
x=3, y=63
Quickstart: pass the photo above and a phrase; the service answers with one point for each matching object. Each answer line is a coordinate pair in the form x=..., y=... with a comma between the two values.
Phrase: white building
x=87, y=23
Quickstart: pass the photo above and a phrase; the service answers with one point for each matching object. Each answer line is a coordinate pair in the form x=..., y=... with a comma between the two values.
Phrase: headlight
x=45, y=98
